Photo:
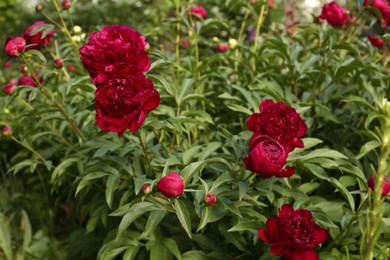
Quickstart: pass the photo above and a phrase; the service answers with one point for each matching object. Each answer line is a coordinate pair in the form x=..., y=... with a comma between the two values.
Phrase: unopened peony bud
x=66, y=4
x=6, y=131
x=23, y=68
x=222, y=47
x=232, y=43
x=76, y=38
x=7, y=64
x=172, y=185
x=77, y=29
x=15, y=46
x=58, y=63
x=147, y=189
x=385, y=182
x=38, y=8
x=10, y=87
x=199, y=11
x=215, y=39
x=210, y=199
x=147, y=47
x=6, y=111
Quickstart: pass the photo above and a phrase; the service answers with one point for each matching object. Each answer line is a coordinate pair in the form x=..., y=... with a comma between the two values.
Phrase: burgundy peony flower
x=122, y=103
x=222, y=47
x=267, y=157
x=375, y=41
x=26, y=80
x=383, y=7
x=14, y=46
x=115, y=51
x=294, y=234
x=210, y=199
x=385, y=183
x=10, y=87
x=36, y=39
x=172, y=185
x=280, y=122
x=199, y=11
x=335, y=14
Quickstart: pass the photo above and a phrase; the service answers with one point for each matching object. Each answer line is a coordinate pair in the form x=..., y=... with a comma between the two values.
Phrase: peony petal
x=277, y=250
x=265, y=104
x=286, y=172
x=252, y=121
x=320, y=236
x=285, y=210
x=152, y=101
x=301, y=255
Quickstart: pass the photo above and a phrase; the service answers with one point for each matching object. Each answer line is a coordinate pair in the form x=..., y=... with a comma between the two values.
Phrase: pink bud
x=10, y=87
x=222, y=47
x=58, y=63
x=23, y=68
x=199, y=11
x=147, y=189
x=375, y=41
x=385, y=183
x=185, y=44
x=172, y=185
x=71, y=68
x=7, y=64
x=210, y=199
x=7, y=131
x=66, y=4
x=14, y=46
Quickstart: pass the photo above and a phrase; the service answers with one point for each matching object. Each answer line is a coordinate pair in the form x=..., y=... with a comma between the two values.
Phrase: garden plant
x=214, y=130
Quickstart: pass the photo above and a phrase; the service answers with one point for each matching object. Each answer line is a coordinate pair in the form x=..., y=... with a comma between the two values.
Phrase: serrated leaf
x=183, y=216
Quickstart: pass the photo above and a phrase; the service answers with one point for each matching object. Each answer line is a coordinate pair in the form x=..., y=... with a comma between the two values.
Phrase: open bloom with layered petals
x=115, y=51
x=335, y=14
x=383, y=7
x=280, y=122
x=293, y=233
x=122, y=103
x=35, y=39
x=267, y=157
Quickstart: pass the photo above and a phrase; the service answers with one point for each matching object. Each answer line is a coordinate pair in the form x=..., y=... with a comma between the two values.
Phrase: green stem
x=48, y=96
x=145, y=149
x=64, y=28
x=240, y=39
x=29, y=148
x=258, y=27
x=178, y=28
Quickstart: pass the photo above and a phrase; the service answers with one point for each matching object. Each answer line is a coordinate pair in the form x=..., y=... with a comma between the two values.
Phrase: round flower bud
x=232, y=43
x=77, y=29
x=15, y=46
x=222, y=47
x=147, y=189
x=7, y=64
x=6, y=111
x=147, y=47
x=210, y=199
x=215, y=39
x=38, y=8
x=172, y=185
x=58, y=63
x=23, y=68
x=6, y=131
x=66, y=4
x=10, y=87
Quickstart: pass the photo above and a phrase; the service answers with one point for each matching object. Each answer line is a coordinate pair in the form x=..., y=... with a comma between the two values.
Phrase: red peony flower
x=222, y=47
x=383, y=7
x=385, y=183
x=280, y=122
x=172, y=185
x=210, y=199
x=36, y=39
x=26, y=80
x=14, y=46
x=122, y=103
x=267, y=157
x=10, y=87
x=115, y=51
x=294, y=234
x=375, y=41
x=335, y=14
x=199, y=11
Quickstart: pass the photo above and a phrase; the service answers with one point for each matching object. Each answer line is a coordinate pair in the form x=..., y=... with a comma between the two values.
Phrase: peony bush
x=212, y=131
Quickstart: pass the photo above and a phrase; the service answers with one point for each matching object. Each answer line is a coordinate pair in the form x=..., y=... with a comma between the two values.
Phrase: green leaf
x=5, y=237
x=367, y=147
x=195, y=255
x=112, y=185
x=183, y=216
x=38, y=54
x=172, y=247
x=239, y=108
x=247, y=225
x=324, y=153
x=92, y=176
x=154, y=219
x=27, y=236
x=344, y=192
x=131, y=252
x=204, y=219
